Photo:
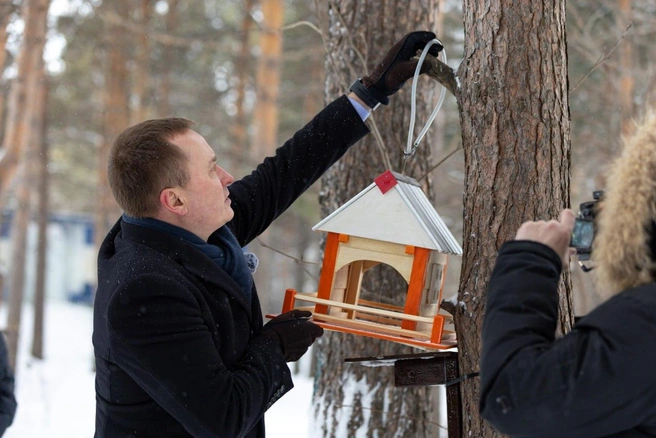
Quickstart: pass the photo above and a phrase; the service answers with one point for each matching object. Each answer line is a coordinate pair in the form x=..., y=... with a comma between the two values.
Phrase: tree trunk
x=35, y=14
x=42, y=193
x=352, y=400
x=242, y=70
x=35, y=118
x=116, y=117
x=6, y=8
x=268, y=79
x=265, y=120
x=27, y=113
x=142, y=65
x=164, y=107
x=514, y=116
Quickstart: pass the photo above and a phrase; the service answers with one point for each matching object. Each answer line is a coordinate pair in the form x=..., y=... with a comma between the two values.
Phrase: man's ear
x=172, y=200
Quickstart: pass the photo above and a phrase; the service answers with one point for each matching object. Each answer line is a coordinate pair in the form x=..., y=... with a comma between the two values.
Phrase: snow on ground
x=56, y=396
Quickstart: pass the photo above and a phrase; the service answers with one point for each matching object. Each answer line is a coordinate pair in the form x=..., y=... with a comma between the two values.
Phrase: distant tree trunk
x=268, y=79
x=352, y=400
x=116, y=116
x=142, y=65
x=242, y=70
x=35, y=14
x=6, y=9
x=164, y=108
x=35, y=113
x=19, y=229
x=265, y=119
x=42, y=193
x=514, y=114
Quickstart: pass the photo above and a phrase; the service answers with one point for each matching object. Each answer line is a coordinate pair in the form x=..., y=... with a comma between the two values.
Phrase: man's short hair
x=143, y=162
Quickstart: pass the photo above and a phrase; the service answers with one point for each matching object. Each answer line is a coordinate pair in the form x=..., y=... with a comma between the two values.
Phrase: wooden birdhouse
x=390, y=222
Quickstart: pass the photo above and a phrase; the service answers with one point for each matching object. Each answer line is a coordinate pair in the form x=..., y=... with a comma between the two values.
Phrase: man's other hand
x=294, y=332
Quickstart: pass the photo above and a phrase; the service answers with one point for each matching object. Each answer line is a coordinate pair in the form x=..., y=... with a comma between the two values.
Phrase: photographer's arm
x=534, y=385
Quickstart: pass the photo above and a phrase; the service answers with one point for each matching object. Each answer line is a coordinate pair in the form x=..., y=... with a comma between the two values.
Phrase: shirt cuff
x=362, y=111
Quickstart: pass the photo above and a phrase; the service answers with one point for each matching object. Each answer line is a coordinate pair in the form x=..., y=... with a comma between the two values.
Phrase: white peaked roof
x=402, y=215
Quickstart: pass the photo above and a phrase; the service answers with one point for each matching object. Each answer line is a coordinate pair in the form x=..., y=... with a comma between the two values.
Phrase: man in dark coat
x=598, y=380
x=179, y=340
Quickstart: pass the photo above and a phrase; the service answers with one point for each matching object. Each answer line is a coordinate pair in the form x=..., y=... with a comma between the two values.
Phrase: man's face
x=206, y=193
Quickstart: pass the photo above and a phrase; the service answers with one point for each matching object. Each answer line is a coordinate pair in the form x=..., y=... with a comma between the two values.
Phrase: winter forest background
x=249, y=73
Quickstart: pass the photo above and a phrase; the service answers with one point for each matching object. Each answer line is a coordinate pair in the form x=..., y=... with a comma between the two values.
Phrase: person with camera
x=598, y=380
x=180, y=345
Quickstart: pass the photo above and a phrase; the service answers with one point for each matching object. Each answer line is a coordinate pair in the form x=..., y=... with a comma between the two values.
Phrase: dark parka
x=599, y=380
x=177, y=344
x=7, y=398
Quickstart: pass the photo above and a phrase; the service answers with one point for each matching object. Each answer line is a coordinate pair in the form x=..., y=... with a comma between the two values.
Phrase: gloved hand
x=293, y=332
x=397, y=67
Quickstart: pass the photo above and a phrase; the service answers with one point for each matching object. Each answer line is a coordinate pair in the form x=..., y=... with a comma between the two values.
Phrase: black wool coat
x=177, y=343
x=599, y=380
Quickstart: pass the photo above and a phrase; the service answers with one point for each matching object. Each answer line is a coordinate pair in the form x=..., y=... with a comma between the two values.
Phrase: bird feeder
x=391, y=222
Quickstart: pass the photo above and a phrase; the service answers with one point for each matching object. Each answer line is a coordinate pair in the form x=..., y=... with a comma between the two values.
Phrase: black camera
x=584, y=227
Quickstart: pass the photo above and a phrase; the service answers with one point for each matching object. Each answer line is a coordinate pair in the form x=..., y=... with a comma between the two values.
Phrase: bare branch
x=443, y=74
x=440, y=162
x=601, y=60
x=296, y=259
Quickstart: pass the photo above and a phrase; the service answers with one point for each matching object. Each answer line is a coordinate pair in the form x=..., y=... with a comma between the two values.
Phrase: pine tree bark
x=514, y=115
x=352, y=400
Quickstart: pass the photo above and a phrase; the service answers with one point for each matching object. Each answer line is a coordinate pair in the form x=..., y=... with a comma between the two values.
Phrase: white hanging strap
x=410, y=146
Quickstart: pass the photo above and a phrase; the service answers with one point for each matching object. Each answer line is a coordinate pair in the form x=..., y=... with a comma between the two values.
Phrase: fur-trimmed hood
x=623, y=252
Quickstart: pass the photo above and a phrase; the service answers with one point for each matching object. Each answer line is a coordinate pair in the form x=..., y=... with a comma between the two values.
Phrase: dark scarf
x=226, y=253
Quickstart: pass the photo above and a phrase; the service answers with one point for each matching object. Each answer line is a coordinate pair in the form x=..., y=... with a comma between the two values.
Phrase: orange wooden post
x=288, y=302
x=438, y=326
x=327, y=271
x=416, y=286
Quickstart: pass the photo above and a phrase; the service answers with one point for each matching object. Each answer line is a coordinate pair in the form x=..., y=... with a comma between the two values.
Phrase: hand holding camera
x=554, y=234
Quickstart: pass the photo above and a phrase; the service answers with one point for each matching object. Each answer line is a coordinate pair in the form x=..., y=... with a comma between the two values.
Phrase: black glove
x=293, y=332
x=389, y=76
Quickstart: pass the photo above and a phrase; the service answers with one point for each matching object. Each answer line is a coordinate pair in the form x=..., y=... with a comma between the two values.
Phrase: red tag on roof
x=385, y=181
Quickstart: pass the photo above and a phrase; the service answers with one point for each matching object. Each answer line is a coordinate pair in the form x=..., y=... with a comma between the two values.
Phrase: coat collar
x=187, y=256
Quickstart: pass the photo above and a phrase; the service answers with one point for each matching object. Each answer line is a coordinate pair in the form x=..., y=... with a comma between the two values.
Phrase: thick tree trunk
x=514, y=115
x=42, y=194
x=352, y=400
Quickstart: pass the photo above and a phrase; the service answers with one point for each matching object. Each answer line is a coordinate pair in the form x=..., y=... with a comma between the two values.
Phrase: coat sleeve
x=158, y=336
x=274, y=185
x=594, y=381
x=7, y=398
